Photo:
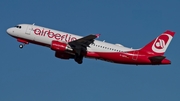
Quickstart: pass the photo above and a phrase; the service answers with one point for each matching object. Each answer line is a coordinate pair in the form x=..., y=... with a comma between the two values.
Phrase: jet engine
x=59, y=46
x=63, y=55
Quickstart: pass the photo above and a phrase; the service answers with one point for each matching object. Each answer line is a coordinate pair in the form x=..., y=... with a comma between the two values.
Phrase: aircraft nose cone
x=9, y=31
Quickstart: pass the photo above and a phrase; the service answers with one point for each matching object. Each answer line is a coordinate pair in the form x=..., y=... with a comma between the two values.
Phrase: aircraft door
x=135, y=55
x=29, y=29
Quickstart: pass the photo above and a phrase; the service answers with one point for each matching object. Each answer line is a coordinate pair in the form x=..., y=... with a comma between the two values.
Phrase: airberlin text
x=51, y=34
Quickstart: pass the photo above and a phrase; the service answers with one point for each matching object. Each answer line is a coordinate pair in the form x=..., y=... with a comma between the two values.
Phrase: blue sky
x=34, y=74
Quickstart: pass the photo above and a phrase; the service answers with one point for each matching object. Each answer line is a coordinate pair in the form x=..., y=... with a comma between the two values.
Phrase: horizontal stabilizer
x=156, y=59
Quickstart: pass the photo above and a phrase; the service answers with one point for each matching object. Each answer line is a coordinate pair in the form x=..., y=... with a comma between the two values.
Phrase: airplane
x=69, y=46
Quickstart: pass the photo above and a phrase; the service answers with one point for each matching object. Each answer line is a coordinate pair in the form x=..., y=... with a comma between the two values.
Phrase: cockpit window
x=18, y=27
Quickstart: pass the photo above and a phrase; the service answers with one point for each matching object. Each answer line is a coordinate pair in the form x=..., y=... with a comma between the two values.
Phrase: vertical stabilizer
x=159, y=44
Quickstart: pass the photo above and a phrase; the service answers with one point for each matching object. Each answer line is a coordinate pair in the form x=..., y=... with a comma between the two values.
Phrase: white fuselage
x=46, y=36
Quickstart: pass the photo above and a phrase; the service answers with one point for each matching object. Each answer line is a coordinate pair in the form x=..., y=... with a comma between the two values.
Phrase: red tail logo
x=160, y=44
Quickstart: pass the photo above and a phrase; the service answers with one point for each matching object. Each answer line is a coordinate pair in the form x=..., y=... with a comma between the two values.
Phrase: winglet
x=97, y=35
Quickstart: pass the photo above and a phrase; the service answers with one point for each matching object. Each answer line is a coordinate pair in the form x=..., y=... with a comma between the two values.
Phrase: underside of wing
x=79, y=46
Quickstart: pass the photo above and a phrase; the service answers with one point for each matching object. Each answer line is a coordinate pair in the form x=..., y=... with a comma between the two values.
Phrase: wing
x=84, y=42
x=79, y=46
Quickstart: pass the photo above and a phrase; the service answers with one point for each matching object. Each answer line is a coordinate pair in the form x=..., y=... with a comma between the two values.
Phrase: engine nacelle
x=59, y=46
x=62, y=55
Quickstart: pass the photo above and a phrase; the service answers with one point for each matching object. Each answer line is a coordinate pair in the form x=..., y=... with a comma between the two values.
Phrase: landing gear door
x=28, y=29
x=135, y=55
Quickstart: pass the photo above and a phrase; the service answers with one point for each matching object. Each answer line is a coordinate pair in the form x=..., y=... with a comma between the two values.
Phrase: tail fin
x=160, y=44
